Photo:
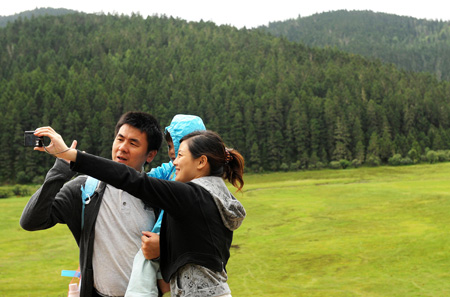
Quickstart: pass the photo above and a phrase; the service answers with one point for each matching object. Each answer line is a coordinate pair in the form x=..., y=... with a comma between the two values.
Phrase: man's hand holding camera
x=57, y=147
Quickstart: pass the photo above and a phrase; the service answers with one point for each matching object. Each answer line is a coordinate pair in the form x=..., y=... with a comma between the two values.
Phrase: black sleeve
x=56, y=201
x=172, y=196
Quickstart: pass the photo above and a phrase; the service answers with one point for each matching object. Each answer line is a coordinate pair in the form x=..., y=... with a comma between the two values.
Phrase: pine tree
x=385, y=143
x=342, y=140
x=237, y=128
x=255, y=159
x=373, y=150
x=274, y=140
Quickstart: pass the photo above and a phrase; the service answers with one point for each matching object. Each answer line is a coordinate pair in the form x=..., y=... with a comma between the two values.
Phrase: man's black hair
x=145, y=122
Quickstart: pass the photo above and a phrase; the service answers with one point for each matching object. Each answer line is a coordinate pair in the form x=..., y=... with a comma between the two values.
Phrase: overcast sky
x=239, y=13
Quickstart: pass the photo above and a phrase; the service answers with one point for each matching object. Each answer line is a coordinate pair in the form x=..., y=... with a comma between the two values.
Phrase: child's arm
x=165, y=171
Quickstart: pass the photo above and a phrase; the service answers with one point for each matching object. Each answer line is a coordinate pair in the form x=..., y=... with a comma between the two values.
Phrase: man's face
x=130, y=147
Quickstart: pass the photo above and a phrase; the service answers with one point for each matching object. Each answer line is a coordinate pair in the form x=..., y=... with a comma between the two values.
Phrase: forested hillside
x=4, y=20
x=413, y=44
x=283, y=105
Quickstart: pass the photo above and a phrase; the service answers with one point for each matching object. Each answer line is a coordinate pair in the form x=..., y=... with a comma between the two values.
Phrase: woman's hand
x=57, y=147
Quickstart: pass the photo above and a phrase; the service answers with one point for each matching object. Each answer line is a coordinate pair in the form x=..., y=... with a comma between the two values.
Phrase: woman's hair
x=225, y=162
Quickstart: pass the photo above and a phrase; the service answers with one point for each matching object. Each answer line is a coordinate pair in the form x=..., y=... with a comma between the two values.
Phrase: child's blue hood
x=181, y=125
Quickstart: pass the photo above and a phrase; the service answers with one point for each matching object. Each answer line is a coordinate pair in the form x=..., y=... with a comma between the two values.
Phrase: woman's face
x=186, y=166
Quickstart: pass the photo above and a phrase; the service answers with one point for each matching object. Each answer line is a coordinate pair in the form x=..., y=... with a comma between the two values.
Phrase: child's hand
x=150, y=245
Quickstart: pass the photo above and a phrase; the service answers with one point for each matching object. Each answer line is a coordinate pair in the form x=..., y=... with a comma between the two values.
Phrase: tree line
x=282, y=104
x=410, y=43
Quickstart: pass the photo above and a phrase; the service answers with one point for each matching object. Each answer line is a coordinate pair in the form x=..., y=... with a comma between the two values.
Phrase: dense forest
x=282, y=104
x=413, y=44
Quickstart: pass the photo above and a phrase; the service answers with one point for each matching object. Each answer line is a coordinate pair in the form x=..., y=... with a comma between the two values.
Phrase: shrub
x=395, y=160
x=5, y=193
x=319, y=165
x=407, y=161
x=423, y=158
x=356, y=163
x=295, y=166
x=373, y=160
x=284, y=167
x=432, y=157
x=16, y=190
x=335, y=165
x=443, y=156
x=414, y=155
x=20, y=191
x=344, y=163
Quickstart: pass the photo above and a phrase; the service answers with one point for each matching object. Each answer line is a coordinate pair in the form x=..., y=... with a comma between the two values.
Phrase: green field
x=356, y=232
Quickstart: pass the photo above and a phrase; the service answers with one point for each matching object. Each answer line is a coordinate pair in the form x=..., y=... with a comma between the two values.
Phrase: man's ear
x=151, y=155
x=202, y=162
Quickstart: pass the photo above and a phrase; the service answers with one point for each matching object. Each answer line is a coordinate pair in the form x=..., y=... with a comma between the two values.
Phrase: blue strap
x=86, y=193
x=157, y=226
x=70, y=273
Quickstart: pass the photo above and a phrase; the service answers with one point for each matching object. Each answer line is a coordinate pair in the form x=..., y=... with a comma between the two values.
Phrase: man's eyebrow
x=131, y=139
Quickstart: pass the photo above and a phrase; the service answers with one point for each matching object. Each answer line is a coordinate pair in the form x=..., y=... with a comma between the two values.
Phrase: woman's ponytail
x=234, y=168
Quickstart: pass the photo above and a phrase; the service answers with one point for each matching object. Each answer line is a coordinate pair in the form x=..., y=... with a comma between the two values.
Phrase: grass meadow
x=356, y=232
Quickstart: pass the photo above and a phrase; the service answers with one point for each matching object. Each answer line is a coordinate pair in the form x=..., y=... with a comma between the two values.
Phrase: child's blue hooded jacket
x=180, y=126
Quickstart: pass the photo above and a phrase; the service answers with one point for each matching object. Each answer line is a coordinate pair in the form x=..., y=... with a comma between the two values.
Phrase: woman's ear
x=202, y=162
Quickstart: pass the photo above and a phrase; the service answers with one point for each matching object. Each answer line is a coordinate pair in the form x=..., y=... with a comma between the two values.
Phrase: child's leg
x=163, y=286
x=143, y=277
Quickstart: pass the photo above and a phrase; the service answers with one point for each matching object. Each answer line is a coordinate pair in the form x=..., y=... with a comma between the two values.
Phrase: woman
x=200, y=212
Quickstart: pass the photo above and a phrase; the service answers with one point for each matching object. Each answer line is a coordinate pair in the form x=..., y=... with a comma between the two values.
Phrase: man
x=113, y=220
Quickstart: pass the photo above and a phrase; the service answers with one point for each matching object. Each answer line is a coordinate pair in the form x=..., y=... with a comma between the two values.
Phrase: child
x=144, y=273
